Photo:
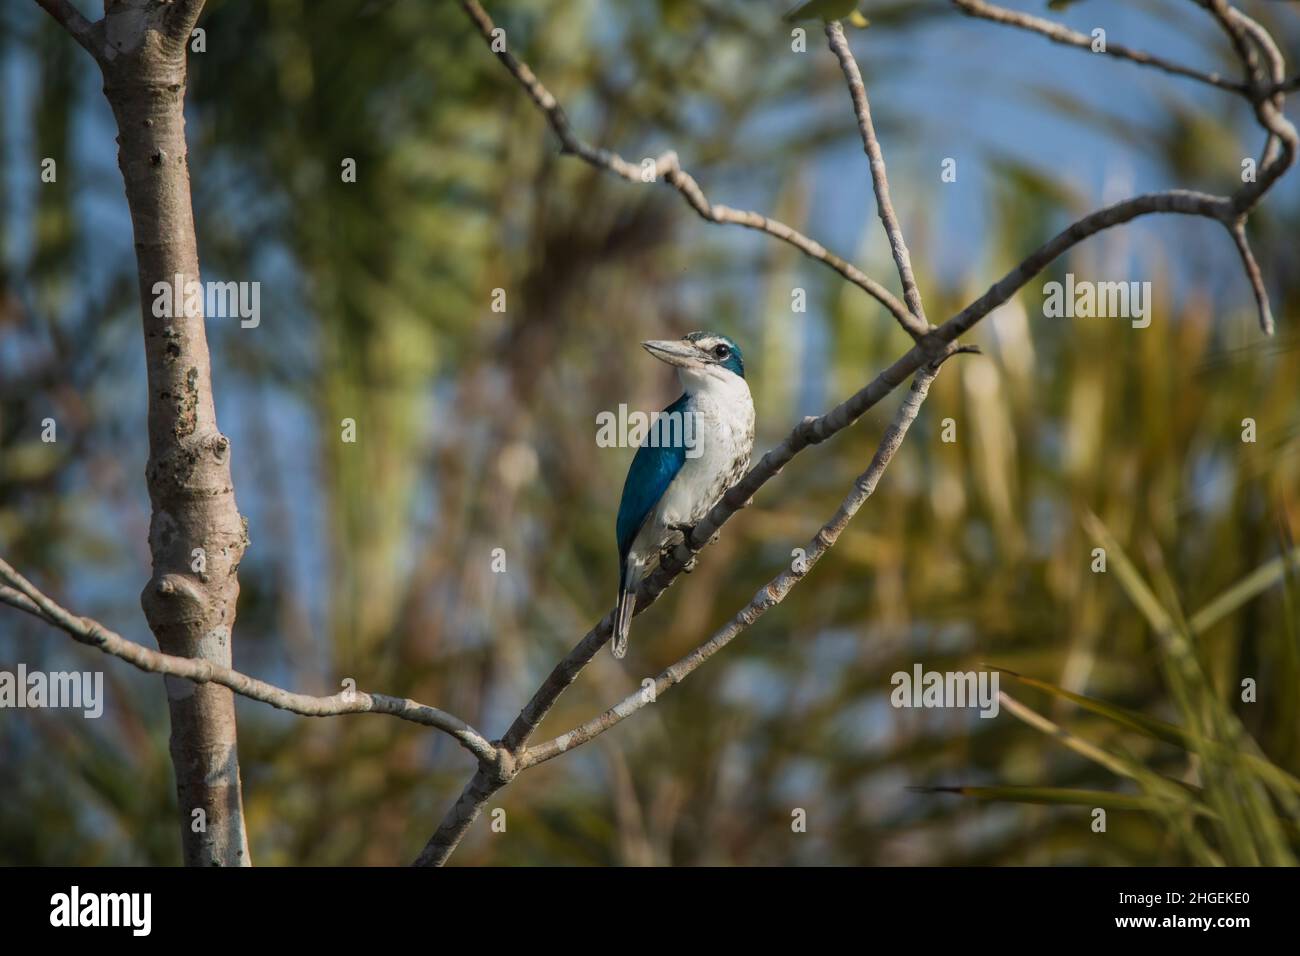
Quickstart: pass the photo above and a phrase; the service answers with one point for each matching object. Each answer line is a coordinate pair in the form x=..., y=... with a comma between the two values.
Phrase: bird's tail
x=623, y=620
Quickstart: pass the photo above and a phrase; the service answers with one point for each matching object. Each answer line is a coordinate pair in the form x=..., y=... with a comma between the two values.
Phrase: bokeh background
x=476, y=430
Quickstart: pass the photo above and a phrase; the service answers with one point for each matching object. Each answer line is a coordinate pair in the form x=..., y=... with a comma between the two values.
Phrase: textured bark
x=142, y=54
x=480, y=789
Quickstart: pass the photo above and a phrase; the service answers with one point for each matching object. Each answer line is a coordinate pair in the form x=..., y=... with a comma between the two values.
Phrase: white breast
x=723, y=418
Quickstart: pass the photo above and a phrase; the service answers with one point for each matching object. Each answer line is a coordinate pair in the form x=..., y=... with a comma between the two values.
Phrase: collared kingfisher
x=697, y=448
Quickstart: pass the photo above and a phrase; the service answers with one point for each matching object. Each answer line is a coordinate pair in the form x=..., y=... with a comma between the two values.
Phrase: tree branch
x=668, y=167
x=1285, y=86
x=78, y=27
x=1253, y=274
x=22, y=594
x=1223, y=13
x=879, y=181
x=480, y=789
x=21, y=601
x=1269, y=100
x=1067, y=37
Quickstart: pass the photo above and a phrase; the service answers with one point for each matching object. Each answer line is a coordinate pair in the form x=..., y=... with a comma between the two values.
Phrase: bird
x=826, y=10
x=696, y=449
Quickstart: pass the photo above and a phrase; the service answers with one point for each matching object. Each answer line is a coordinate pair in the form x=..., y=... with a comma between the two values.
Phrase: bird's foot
x=685, y=531
x=666, y=552
x=669, y=549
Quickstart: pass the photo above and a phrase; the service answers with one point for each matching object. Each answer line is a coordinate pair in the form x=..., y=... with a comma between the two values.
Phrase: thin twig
x=22, y=602
x=1253, y=274
x=879, y=180
x=668, y=168
x=22, y=594
x=1064, y=35
x=1223, y=12
x=1249, y=37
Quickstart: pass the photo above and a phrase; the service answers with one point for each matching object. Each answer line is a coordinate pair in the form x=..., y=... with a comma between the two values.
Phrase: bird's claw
x=666, y=552
x=685, y=531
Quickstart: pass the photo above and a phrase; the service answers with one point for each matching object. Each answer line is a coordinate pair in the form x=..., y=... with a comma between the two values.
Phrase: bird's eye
x=721, y=351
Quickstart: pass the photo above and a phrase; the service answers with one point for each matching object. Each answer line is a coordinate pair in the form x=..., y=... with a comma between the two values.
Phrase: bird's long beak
x=674, y=353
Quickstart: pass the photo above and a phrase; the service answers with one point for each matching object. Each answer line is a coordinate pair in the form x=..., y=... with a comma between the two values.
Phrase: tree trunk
x=196, y=534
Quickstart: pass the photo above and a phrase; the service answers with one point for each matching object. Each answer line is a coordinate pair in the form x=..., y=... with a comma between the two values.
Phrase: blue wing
x=652, y=471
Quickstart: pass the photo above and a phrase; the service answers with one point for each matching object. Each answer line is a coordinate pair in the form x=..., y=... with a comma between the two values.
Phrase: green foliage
x=1251, y=804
